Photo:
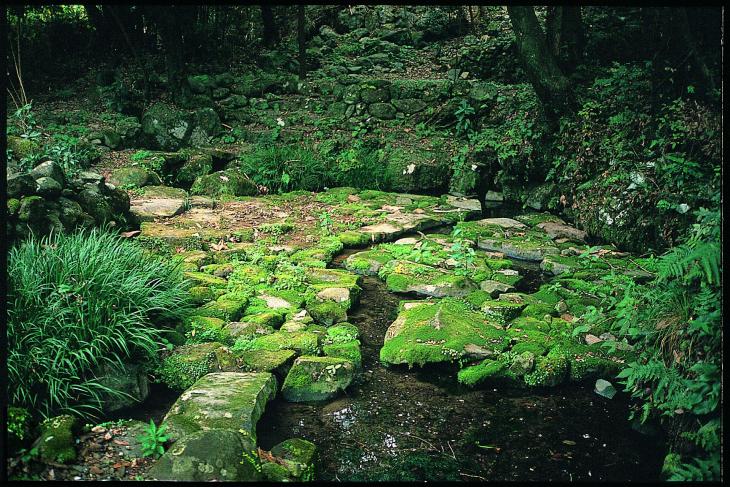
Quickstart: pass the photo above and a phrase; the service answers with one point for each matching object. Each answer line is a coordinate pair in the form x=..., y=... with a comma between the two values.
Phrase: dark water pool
x=397, y=424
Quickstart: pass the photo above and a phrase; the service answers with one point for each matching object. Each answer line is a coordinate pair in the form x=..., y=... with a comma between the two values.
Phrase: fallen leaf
x=121, y=443
x=569, y=442
x=131, y=234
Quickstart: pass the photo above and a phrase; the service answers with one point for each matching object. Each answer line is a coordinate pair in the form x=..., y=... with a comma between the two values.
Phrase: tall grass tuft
x=77, y=302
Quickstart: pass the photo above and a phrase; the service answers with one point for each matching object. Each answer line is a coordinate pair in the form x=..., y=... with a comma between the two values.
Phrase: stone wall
x=45, y=200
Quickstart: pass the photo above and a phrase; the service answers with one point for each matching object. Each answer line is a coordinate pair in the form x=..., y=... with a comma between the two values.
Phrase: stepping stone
x=563, y=231
x=495, y=288
x=444, y=331
x=225, y=400
x=149, y=209
x=317, y=378
x=464, y=203
x=275, y=302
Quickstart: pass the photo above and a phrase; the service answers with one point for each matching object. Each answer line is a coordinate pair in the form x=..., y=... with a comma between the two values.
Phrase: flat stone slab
x=506, y=223
x=275, y=302
x=561, y=230
x=150, y=209
x=223, y=400
x=464, y=203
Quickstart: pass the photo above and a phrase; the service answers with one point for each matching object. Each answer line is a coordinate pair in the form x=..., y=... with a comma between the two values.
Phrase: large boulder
x=444, y=331
x=317, y=378
x=402, y=276
x=133, y=176
x=228, y=182
x=209, y=455
x=169, y=128
x=222, y=400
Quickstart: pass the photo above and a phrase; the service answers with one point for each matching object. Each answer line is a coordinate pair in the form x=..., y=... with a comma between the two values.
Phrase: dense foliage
x=75, y=303
x=675, y=322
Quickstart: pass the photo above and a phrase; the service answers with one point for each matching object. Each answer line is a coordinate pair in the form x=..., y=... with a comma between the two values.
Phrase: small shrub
x=153, y=440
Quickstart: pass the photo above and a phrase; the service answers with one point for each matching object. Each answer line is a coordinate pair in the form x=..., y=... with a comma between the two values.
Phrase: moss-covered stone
x=352, y=238
x=188, y=363
x=347, y=350
x=56, y=443
x=367, y=263
x=317, y=378
x=209, y=455
x=226, y=400
x=408, y=277
x=327, y=312
x=550, y=370
x=298, y=459
x=485, y=371
x=203, y=279
x=303, y=342
x=201, y=294
x=229, y=307
x=229, y=182
x=275, y=361
x=501, y=311
x=133, y=176
x=441, y=332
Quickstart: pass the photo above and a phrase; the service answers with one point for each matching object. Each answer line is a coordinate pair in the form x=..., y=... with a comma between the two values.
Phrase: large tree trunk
x=271, y=33
x=302, y=43
x=551, y=85
x=167, y=21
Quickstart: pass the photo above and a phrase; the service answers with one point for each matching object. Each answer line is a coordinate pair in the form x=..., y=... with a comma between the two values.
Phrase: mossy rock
x=550, y=370
x=203, y=279
x=302, y=342
x=201, y=294
x=209, y=455
x=501, y=311
x=347, y=350
x=487, y=370
x=367, y=263
x=229, y=182
x=408, y=277
x=298, y=459
x=317, y=378
x=353, y=239
x=133, y=176
x=275, y=361
x=327, y=312
x=56, y=443
x=226, y=400
x=188, y=363
x=229, y=307
x=444, y=331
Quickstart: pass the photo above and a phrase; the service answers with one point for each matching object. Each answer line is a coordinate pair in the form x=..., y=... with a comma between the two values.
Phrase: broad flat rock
x=224, y=400
x=275, y=302
x=506, y=223
x=149, y=209
x=464, y=203
x=336, y=294
x=560, y=231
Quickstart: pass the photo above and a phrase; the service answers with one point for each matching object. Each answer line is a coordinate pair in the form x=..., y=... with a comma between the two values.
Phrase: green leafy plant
x=325, y=223
x=77, y=302
x=153, y=440
x=464, y=123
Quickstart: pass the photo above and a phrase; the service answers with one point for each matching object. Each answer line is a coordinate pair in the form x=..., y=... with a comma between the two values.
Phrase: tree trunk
x=271, y=33
x=302, y=43
x=549, y=82
x=167, y=22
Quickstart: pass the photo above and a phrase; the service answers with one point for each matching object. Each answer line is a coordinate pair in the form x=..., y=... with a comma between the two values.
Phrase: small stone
x=561, y=307
x=605, y=389
x=592, y=339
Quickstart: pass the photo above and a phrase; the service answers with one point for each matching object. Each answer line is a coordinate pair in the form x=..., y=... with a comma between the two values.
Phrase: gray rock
x=605, y=389
x=495, y=288
x=523, y=363
x=48, y=187
x=49, y=169
x=130, y=380
x=409, y=105
x=210, y=455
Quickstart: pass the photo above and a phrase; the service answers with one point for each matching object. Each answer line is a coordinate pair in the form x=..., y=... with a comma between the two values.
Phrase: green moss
x=327, y=312
x=347, y=350
x=534, y=219
x=273, y=319
x=203, y=279
x=302, y=342
x=229, y=307
x=550, y=370
x=353, y=238
x=524, y=322
x=246, y=275
x=13, y=205
x=440, y=332
x=56, y=442
x=485, y=371
x=201, y=294
x=341, y=332
x=501, y=311
x=477, y=298
x=188, y=363
x=317, y=378
x=265, y=360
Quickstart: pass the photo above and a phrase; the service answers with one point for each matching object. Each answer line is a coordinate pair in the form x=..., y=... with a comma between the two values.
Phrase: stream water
x=400, y=424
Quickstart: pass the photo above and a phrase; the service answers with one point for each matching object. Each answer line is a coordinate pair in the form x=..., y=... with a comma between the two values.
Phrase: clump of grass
x=77, y=302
